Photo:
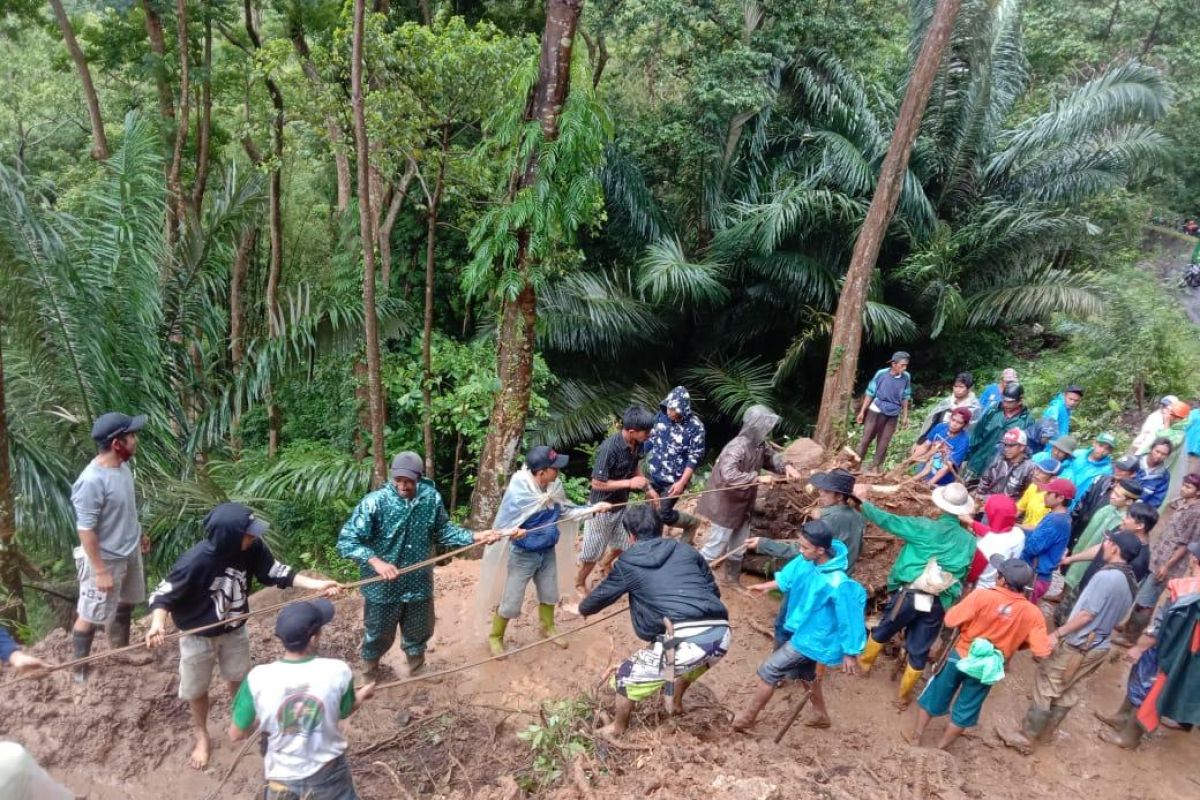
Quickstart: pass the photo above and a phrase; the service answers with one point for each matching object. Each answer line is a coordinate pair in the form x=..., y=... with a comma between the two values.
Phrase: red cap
x=1060, y=486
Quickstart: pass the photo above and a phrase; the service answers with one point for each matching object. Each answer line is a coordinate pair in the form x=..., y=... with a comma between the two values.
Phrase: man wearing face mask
x=393, y=527
x=108, y=560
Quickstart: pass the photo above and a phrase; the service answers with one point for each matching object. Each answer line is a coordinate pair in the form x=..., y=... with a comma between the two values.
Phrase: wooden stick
x=791, y=720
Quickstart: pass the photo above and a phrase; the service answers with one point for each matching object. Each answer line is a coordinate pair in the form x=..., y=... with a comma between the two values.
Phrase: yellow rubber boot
x=908, y=682
x=546, y=618
x=496, y=639
x=869, y=654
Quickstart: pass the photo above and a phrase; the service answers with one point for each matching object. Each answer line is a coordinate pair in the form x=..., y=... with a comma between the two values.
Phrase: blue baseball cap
x=297, y=624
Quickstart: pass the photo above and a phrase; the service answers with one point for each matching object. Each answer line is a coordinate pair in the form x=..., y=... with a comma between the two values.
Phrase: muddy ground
x=126, y=735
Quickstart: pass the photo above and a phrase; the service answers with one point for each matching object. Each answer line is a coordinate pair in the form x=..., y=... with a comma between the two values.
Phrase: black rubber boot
x=1057, y=715
x=1117, y=720
x=118, y=629
x=1128, y=736
x=81, y=645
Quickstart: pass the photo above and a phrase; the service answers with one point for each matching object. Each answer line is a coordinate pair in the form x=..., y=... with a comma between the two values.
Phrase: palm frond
x=585, y=312
x=734, y=385
x=1035, y=294
x=667, y=275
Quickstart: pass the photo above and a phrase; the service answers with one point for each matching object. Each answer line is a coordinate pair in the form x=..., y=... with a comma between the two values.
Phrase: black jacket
x=209, y=582
x=664, y=578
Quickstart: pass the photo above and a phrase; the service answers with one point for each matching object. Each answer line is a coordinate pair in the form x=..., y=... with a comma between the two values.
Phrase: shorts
x=601, y=532
x=644, y=674
x=921, y=628
x=787, y=663
x=941, y=692
x=1148, y=591
x=199, y=654
x=129, y=586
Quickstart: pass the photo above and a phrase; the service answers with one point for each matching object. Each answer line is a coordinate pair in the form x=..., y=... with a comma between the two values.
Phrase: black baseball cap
x=1126, y=463
x=1129, y=545
x=1013, y=391
x=1016, y=573
x=818, y=533
x=1132, y=487
x=112, y=424
x=543, y=457
x=900, y=355
x=235, y=517
x=297, y=623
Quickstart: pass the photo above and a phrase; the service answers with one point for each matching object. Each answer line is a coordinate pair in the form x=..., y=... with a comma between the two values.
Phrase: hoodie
x=1082, y=471
x=825, y=608
x=674, y=446
x=998, y=536
x=739, y=463
x=210, y=582
x=664, y=578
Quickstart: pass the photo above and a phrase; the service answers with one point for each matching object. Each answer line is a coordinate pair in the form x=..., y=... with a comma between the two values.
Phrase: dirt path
x=1169, y=252
x=126, y=735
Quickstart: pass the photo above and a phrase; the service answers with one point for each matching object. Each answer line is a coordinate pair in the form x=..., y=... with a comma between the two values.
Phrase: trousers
x=380, y=621
x=878, y=429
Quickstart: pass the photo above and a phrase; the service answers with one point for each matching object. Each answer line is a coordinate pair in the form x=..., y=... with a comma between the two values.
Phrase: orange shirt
x=1003, y=617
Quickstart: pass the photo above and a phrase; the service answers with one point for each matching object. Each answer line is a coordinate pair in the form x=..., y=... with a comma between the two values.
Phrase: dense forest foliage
x=182, y=228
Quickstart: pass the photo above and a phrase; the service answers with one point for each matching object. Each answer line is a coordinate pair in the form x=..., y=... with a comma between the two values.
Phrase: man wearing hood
x=665, y=579
x=1089, y=463
x=1059, y=411
x=825, y=611
x=673, y=452
x=211, y=583
x=393, y=527
x=995, y=422
x=999, y=535
x=920, y=594
x=738, y=465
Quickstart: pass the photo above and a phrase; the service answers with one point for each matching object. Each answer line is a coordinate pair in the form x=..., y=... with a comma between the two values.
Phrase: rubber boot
x=1057, y=715
x=689, y=525
x=1035, y=723
x=1117, y=720
x=869, y=654
x=496, y=638
x=118, y=629
x=1128, y=736
x=733, y=570
x=546, y=618
x=81, y=645
x=908, y=682
x=1138, y=620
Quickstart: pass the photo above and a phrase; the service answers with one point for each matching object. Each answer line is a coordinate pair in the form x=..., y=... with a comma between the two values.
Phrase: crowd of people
x=1032, y=541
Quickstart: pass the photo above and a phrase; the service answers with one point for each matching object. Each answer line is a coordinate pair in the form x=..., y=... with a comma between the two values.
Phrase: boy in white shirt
x=298, y=701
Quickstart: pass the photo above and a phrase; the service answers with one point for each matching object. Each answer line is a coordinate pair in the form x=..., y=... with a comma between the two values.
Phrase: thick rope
x=356, y=584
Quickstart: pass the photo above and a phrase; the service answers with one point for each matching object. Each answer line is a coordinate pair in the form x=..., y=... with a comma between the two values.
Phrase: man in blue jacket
x=673, y=453
x=665, y=579
x=825, y=614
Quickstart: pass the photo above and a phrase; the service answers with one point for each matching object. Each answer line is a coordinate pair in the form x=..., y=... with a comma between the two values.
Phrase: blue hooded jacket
x=825, y=607
x=1058, y=411
x=1083, y=471
x=674, y=446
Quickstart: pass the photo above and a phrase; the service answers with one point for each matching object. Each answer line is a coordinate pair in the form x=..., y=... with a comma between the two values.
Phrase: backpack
x=546, y=535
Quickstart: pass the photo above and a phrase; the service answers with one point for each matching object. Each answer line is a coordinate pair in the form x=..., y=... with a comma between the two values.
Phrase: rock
x=746, y=788
x=804, y=454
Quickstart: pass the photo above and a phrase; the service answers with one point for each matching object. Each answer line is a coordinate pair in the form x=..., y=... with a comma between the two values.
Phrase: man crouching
x=674, y=604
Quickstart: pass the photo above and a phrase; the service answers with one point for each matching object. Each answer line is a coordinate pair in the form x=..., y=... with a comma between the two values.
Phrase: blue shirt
x=1047, y=543
x=1192, y=437
x=8, y=645
x=958, y=448
x=990, y=397
x=890, y=392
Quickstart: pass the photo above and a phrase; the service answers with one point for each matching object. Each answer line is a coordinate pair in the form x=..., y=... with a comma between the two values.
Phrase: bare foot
x=610, y=732
x=910, y=735
x=676, y=705
x=743, y=723
x=902, y=703
x=1015, y=739
x=819, y=721
x=200, y=752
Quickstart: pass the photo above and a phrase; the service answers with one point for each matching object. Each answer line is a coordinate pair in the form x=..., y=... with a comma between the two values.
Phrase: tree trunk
x=435, y=201
x=237, y=350
x=333, y=127
x=10, y=560
x=458, y=446
x=516, y=333
x=204, y=135
x=99, y=140
x=1152, y=37
x=384, y=234
x=174, y=186
x=158, y=46
x=847, y=323
x=1112, y=20
x=367, y=235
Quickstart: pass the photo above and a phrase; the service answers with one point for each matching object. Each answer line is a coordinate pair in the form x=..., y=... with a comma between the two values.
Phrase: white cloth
x=22, y=779
x=1006, y=545
x=1154, y=423
x=522, y=499
x=298, y=705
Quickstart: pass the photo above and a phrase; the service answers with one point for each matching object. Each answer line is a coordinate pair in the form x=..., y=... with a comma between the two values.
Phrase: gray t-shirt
x=1109, y=598
x=104, y=502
